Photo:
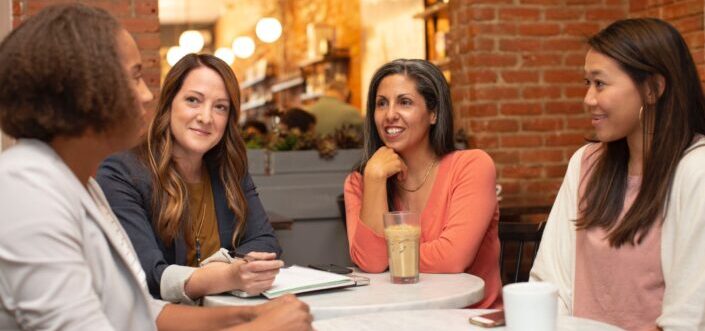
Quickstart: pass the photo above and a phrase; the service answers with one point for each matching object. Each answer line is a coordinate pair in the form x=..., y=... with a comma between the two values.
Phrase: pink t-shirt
x=620, y=286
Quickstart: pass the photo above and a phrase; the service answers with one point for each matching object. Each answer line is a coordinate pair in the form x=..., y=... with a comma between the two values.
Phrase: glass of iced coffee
x=402, y=231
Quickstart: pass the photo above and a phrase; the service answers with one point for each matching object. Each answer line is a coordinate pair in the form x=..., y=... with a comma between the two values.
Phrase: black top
x=127, y=184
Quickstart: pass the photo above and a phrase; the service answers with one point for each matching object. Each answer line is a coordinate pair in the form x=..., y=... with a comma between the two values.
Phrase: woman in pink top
x=624, y=241
x=410, y=163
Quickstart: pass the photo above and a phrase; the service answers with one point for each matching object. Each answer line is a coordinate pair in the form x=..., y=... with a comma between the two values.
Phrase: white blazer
x=65, y=262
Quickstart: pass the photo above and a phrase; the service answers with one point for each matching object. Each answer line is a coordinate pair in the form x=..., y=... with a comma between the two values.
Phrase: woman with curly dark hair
x=72, y=93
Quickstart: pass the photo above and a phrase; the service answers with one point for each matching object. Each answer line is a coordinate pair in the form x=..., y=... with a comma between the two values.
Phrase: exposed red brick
x=482, y=14
x=544, y=186
x=505, y=157
x=542, y=156
x=141, y=24
x=555, y=171
x=484, y=141
x=563, y=14
x=481, y=76
x=540, y=60
x=581, y=29
x=482, y=109
x=565, y=139
x=542, y=124
x=564, y=107
x=521, y=141
x=496, y=93
x=520, y=76
x=521, y=172
x=578, y=123
x=603, y=14
x=522, y=108
x=146, y=7
x=547, y=92
x=523, y=44
x=545, y=29
x=519, y=14
x=498, y=125
x=562, y=76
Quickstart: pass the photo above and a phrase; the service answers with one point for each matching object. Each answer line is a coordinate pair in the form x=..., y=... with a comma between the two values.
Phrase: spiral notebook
x=297, y=279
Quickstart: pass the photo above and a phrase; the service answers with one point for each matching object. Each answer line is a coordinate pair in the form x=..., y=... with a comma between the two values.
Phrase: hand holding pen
x=254, y=272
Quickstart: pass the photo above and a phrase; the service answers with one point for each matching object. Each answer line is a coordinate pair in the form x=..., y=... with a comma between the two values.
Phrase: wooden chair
x=520, y=233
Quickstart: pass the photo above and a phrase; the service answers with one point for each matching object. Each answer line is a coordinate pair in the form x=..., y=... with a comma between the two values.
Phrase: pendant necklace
x=428, y=172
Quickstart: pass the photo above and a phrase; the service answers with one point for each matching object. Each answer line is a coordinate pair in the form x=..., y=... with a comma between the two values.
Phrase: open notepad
x=296, y=279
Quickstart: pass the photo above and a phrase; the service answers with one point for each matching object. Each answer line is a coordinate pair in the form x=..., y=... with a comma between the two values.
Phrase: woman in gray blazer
x=72, y=93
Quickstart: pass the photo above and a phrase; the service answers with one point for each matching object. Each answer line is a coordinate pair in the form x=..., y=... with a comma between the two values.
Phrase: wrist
x=371, y=178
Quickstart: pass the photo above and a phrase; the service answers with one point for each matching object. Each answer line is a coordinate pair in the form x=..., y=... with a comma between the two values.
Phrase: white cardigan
x=682, y=243
x=65, y=261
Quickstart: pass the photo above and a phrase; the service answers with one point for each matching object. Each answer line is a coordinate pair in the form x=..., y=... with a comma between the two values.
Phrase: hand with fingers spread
x=384, y=163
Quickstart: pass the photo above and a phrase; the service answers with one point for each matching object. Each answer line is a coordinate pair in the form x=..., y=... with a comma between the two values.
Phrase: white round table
x=433, y=291
x=446, y=320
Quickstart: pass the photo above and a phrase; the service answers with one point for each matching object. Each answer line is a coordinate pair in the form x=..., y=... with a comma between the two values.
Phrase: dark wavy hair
x=433, y=87
x=60, y=74
x=229, y=157
x=646, y=49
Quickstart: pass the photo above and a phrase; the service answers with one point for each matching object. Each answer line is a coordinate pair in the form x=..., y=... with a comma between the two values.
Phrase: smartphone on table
x=489, y=320
x=336, y=269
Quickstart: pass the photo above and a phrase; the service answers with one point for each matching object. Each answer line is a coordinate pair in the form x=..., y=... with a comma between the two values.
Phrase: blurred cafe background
x=514, y=66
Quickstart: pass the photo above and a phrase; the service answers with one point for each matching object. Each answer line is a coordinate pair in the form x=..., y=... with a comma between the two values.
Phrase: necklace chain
x=425, y=178
x=202, y=212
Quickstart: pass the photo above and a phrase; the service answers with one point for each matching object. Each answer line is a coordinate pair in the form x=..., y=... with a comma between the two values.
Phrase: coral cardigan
x=458, y=224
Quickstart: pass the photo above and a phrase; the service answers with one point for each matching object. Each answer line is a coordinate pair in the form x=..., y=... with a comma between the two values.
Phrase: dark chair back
x=341, y=208
x=521, y=234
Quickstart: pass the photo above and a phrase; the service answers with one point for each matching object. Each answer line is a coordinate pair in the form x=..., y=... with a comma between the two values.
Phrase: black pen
x=239, y=255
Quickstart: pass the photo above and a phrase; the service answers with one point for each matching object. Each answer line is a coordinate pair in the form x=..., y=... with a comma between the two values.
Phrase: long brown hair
x=170, y=197
x=645, y=48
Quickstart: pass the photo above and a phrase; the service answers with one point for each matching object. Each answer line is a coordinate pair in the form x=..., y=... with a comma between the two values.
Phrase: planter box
x=257, y=161
x=291, y=162
x=301, y=185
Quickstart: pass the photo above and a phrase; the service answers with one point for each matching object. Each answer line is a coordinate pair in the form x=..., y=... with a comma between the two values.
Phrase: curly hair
x=229, y=156
x=60, y=74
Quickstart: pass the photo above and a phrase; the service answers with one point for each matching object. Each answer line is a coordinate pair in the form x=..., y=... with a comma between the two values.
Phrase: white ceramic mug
x=530, y=306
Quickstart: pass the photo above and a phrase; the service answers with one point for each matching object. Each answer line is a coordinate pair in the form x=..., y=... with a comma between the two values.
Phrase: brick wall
x=517, y=84
x=686, y=16
x=140, y=17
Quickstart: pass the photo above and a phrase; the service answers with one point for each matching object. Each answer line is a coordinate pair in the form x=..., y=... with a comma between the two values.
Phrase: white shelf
x=287, y=84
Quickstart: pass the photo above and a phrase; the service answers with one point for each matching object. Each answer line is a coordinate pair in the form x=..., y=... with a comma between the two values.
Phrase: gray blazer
x=65, y=262
x=128, y=187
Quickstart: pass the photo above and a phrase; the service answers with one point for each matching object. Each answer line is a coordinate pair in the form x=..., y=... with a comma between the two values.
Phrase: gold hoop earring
x=641, y=110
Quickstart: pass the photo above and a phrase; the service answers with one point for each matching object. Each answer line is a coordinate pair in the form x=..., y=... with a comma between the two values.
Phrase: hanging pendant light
x=243, y=47
x=268, y=29
x=174, y=54
x=226, y=54
x=191, y=41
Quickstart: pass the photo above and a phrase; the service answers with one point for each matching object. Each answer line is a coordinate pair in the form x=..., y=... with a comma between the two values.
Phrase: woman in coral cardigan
x=410, y=163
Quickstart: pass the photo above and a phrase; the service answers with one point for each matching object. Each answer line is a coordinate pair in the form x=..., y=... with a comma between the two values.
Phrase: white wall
x=389, y=32
x=5, y=27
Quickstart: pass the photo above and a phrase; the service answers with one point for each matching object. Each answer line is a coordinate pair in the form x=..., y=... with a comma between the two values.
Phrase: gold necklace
x=202, y=212
x=425, y=177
